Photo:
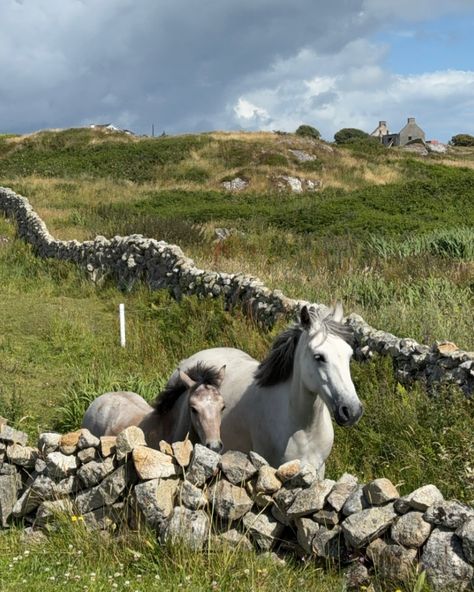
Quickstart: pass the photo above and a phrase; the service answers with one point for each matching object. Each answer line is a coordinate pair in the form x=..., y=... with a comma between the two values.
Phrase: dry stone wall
x=161, y=265
x=192, y=494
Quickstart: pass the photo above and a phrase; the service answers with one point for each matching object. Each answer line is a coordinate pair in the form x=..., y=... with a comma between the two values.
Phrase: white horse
x=281, y=408
x=189, y=406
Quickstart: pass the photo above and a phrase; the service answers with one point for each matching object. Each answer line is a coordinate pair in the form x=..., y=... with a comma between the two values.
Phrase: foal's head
x=206, y=405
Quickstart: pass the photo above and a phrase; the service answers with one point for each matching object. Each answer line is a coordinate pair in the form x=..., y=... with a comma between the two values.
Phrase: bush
x=349, y=134
x=462, y=140
x=308, y=131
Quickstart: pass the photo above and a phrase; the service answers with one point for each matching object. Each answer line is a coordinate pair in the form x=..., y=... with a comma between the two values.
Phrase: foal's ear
x=220, y=375
x=305, y=318
x=189, y=382
x=337, y=312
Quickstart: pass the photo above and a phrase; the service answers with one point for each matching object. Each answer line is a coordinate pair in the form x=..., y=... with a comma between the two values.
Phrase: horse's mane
x=175, y=387
x=278, y=364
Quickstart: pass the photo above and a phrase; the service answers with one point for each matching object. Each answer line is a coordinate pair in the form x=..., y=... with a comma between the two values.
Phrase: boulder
x=182, y=452
x=450, y=514
x=68, y=442
x=326, y=517
x=192, y=497
x=410, y=530
x=267, y=481
x=328, y=543
x=188, y=527
x=356, y=502
x=420, y=499
x=9, y=485
x=152, y=464
x=380, y=491
x=306, y=528
x=23, y=456
x=93, y=472
x=392, y=562
x=155, y=499
x=264, y=530
x=59, y=465
x=12, y=436
x=234, y=539
x=466, y=534
x=310, y=500
x=341, y=491
x=48, y=442
x=203, y=465
x=230, y=502
x=87, y=440
x=107, y=445
x=257, y=460
x=237, y=467
x=364, y=526
x=127, y=440
x=104, y=494
x=86, y=455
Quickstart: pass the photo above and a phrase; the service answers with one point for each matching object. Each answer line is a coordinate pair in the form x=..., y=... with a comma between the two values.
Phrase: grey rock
x=40, y=466
x=341, y=491
x=364, y=526
x=233, y=538
x=444, y=562
x=392, y=562
x=267, y=482
x=257, y=460
x=93, y=472
x=12, y=436
x=466, y=534
x=87, y=440
x=424, y=497
x=7, y=469
x=380, y=491
x=310, y=500
x=87, y=455
x=328, y=543
x=192, y=497
x=304, y=478
x=302, y=156
x=59, y=465
x=203, y=465
x=155, y=499
x=51, y=510
x=104, y=494
x=188, y=527
x=237, y=467
x=326, y=517
x=288, y=470
x=105, y=517
x=236, y=184
x=264, y=530
x=410, y=530
x=356, y=502
x=357, y=575
x=23, y=456
x=48, y=442
x=450, y=514
x=8, y=495
x=230, y=502
x=306, y=528
x=127, y=440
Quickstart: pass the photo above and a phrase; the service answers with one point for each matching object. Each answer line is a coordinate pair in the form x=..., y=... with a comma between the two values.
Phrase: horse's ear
x=338, y=312
x=189, y=382
x=305, y=318
x=220, y=375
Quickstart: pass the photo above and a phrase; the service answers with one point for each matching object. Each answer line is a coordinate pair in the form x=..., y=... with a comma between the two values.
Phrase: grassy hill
x=389, y=233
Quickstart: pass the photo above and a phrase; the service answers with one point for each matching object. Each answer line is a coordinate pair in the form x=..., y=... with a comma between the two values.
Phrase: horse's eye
x=194, y=410
x=319, y=358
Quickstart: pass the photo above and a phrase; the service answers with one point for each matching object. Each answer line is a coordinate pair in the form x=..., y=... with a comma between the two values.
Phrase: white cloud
x=247, y=111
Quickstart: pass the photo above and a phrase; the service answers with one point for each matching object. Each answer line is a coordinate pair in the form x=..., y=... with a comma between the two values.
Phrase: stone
x=393, y=562
x=237, y=467
x=357, y=576
x=8, y=496
x=87, y=440
x=3, y=422
x=105, y=517
x=424, y=497
x=410, y=530
x=86, y=455
x=230, y=502
x=182, y=452
x=328, y=543
x=43, y=489
x=68, y=442
x=288, y=470
x=380, y=491
x=165, y=447
x=356, y=502
x=264, y=530
x=236, y=184
x=267, y=482
x=341, y=491
x=364, y=526
x=93, y=472
x=304, y=478
x=152, y=464
x=233, y=538
x=257, y=460
x=59, y=465
x=450, y=514
x=40, y=466
x=326, y=517
x=293, y=183
x=12, y=436
x=129, y=439
x=23, y=456
x=155, y=499
x=444, y=562
x=302, y=156
x=306, y=528
x=53, y=509
x=310, y=500
x=107, y=445
x=203, y=465
x=192, y=497
x=48, y=442
x=188, y=527
x=466, y=534
x=104, y=494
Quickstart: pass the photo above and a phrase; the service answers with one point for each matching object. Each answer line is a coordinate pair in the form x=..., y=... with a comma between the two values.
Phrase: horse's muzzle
x=215, y=445
x=348, y=416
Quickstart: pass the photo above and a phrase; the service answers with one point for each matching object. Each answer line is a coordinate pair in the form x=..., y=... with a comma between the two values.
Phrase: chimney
x=381, y=123
x=411, y=120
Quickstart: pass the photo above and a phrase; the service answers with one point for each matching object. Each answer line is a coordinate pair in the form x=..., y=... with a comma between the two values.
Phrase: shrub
x=308, y=131
x=349, y=134
x=462, y=140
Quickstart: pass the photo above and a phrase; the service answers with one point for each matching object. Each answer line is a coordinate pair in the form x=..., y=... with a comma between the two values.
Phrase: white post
x=122, y=324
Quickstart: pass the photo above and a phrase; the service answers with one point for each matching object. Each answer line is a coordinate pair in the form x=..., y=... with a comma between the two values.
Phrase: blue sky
x=237, y=64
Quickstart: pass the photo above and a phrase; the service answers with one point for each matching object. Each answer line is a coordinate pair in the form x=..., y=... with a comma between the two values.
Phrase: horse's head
x=325, y=366
x=206, y=405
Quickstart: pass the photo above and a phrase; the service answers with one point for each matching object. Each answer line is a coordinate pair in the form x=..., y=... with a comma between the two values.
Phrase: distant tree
x=349, y=134
x=462, y=140
x=308, y=131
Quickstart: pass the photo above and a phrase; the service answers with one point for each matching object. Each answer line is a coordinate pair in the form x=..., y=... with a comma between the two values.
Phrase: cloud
x=186, y=66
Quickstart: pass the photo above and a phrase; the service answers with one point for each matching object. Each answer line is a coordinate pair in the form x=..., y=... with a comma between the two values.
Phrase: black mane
x=200, y=373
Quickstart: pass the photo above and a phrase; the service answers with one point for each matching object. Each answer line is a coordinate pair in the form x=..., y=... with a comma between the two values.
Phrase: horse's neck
x=171, y=426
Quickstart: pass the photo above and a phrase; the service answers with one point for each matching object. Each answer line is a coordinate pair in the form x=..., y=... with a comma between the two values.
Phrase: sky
x=201, y=65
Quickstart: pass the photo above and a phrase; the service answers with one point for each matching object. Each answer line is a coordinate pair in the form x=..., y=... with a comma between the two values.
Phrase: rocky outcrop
x=204, y=499
x=132, y=258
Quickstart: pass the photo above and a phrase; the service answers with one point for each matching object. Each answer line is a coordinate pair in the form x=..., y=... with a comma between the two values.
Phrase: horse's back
x=112, y=412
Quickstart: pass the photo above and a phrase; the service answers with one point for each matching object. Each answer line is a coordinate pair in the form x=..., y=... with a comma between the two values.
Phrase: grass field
x=390, y=234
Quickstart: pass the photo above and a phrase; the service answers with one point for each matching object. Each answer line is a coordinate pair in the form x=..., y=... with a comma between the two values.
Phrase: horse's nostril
x=344, y=412
x=215, y=446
